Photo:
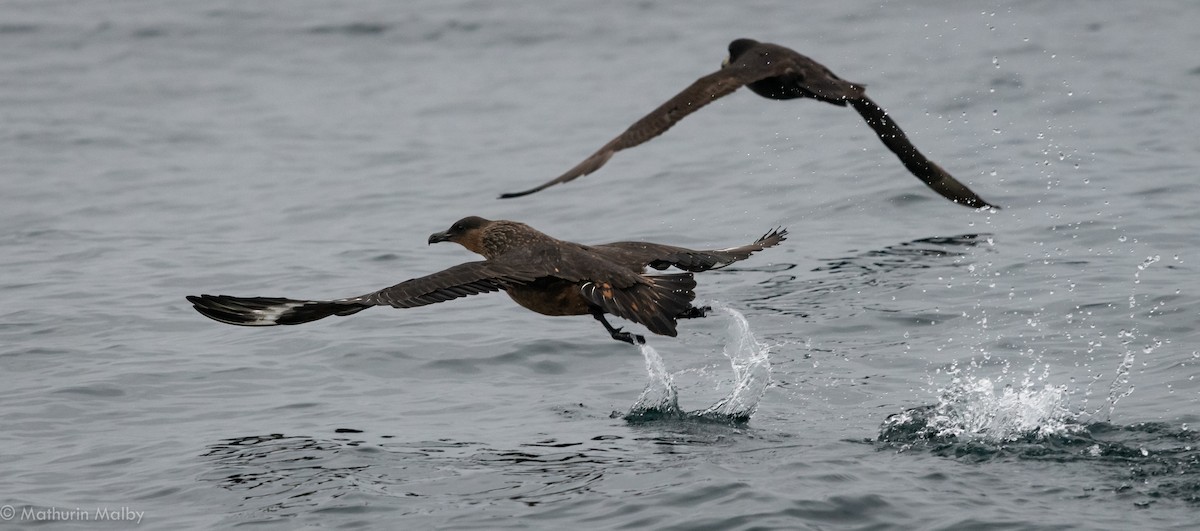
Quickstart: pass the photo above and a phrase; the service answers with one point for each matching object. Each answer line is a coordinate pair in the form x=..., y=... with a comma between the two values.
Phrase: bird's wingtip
x=979, y=204
x=202, y=299
x=774, y=236
x=510, y=195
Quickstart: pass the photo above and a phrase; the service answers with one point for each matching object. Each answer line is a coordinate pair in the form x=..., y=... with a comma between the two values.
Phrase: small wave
x=1145, y=461
x=352, y=28
x=300, y=478
x=883, y=271
x=915, y=254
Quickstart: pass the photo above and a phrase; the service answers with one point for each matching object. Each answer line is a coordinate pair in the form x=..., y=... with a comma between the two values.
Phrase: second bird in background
x=778, y=73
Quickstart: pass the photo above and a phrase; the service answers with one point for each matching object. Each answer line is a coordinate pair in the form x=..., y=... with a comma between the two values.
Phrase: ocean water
x=899, y=362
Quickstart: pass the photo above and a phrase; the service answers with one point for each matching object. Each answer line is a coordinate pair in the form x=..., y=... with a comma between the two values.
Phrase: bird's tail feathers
x=654, y=304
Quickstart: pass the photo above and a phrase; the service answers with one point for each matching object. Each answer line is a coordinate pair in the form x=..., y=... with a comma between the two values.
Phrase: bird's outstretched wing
x=461, y=280
x=661, y=257
x=268, y=311
x=700, y=93
x=471, y=278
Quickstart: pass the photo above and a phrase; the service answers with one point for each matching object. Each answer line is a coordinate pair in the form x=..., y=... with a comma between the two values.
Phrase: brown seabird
x=778, y=73
x=541, y=273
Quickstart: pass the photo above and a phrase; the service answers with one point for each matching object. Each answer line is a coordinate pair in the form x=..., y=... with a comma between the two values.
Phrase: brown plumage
x=778, y=73
x=541, y=273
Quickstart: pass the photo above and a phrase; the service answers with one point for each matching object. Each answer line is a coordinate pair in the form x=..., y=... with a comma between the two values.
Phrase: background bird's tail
x=268, y=311
x=926, y=170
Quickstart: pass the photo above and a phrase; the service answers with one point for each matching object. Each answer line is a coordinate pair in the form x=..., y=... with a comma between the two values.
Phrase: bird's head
x=467, y=232
x=736, y=49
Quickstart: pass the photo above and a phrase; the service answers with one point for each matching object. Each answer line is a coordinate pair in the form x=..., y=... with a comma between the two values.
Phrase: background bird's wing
x=700, y=93
x=658, y=256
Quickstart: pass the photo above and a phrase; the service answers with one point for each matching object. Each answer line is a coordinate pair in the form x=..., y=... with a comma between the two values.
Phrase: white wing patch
x=270, y=316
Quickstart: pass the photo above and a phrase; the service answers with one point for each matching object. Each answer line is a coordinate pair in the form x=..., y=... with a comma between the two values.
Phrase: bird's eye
x=459, y=227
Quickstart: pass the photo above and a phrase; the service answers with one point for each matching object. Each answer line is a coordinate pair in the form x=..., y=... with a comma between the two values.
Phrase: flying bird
x=778, y=73
x=541, y=273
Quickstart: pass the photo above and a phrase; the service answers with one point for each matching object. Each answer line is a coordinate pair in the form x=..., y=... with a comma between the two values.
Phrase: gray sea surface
x=900, y=362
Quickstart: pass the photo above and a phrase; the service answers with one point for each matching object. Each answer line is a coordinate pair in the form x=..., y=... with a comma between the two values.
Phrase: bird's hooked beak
x=439, y=237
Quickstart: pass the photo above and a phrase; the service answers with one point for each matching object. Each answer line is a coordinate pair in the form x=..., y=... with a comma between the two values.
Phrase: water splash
x=659, y=398
x=751, y=370
x=1121, y=386
x=976, y=409
x=752, y=375
x=973, y=408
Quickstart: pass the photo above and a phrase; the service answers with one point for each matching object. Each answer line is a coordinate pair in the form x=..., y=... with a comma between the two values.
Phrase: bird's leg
x=694, y=312
x=616, y=333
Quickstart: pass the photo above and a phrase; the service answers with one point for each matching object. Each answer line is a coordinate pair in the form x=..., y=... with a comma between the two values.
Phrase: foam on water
x=751, y=370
